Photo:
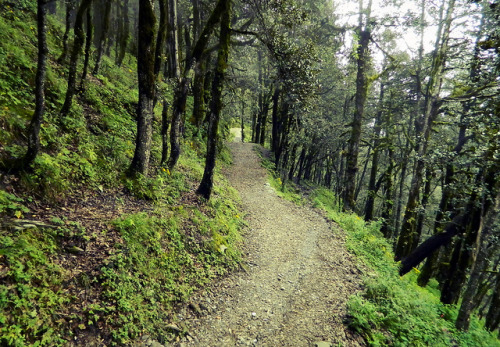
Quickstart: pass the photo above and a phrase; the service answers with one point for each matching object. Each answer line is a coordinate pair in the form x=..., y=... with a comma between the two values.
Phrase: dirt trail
x=298, y=280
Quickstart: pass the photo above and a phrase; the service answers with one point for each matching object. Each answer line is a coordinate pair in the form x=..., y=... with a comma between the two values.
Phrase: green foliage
x=284, y=188
x=394, y=310
x=159, y=264
x=159, y=258
x=31, y=297
x=11, y=204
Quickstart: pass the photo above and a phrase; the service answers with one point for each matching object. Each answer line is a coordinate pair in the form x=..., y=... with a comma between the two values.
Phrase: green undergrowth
x=31, y=289
x=283, y=187
x=154, y=256
x=162, y=261
x=169, y=253
x=394, y=310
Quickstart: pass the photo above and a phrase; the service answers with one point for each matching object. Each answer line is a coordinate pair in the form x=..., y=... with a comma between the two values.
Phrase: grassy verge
x=394, y=310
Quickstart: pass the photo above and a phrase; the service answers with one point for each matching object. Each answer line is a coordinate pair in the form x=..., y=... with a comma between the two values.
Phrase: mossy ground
x=87, y=255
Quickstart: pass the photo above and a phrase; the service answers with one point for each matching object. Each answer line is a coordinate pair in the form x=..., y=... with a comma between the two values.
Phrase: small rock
x=75, y=250
x=254, y=314
x=322, y=344
x=196, y=308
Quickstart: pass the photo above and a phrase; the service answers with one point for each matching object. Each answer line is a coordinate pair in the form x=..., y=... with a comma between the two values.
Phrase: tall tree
x=363, y=32
x=123, y=33
x=146, y=78
x=70, y=7
x=215, y=108
x=103, y=36
x=424, y=124
x=36, y=121
x=181, y=88
x=88, y=46
x=481, y=256
x=75, y=54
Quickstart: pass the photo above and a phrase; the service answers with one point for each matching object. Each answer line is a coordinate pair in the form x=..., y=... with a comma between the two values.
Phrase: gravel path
x=298, y=279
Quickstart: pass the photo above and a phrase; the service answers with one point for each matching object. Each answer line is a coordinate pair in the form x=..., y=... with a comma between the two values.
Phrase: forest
x=114, y=117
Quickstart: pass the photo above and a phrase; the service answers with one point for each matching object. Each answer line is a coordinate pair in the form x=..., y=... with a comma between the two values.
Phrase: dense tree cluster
x=408, y=135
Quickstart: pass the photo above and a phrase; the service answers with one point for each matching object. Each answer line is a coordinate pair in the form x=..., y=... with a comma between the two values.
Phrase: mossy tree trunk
x=363, y=57
x=103, y=36
x=372, y=191
x=123, y=35
x=146, y=77
x=215, y=108
x=36, y=121
x=181, y=89
x=405, y=244
x=480, y=258
x=493, y=315
x=88, y=46
x=199, y=108
x=161, y=36
x=75, y=54
x=70, y=7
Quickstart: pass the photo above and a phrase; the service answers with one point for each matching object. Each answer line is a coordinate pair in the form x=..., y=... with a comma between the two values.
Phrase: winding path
x=298, y=280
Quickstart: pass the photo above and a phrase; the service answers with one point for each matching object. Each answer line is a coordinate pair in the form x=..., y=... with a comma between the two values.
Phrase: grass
x=154, y=258
x=394, y=310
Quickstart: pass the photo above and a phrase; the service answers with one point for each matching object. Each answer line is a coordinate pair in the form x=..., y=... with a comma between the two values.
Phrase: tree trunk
x=423, y=204
x=36, y=121
x=124, y=33
x=88, y=46
x=199, y=108
x=363, y=57
x=485, y=233
x=461, y=260
x=146, y=78
x=75, y=53
x=165, y=123
x=275, y=131
x=388, y=204
x=206, y=185
x=102, y=38
x=196, y=19
x=493, y=315
x=370, y=201
x=181, y=89
x=70, y=7
x=160, y=37
x=405, y=243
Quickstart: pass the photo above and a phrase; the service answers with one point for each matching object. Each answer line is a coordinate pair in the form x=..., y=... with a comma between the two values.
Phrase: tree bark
x=206, y=185
x=70, y=7
x=124, y=33
x=146, y=78
x=493, y=315
x=370, y=201
x=75, y=53
x=199, y=108
x=180, y=94
x=431, y=108
x=103, y=36
x=161, y=36
x=485, y=232
x=363, y=56
x=88, y=46
x=36, y=121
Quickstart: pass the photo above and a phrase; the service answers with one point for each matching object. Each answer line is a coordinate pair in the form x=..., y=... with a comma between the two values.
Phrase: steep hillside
x=86, y=254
